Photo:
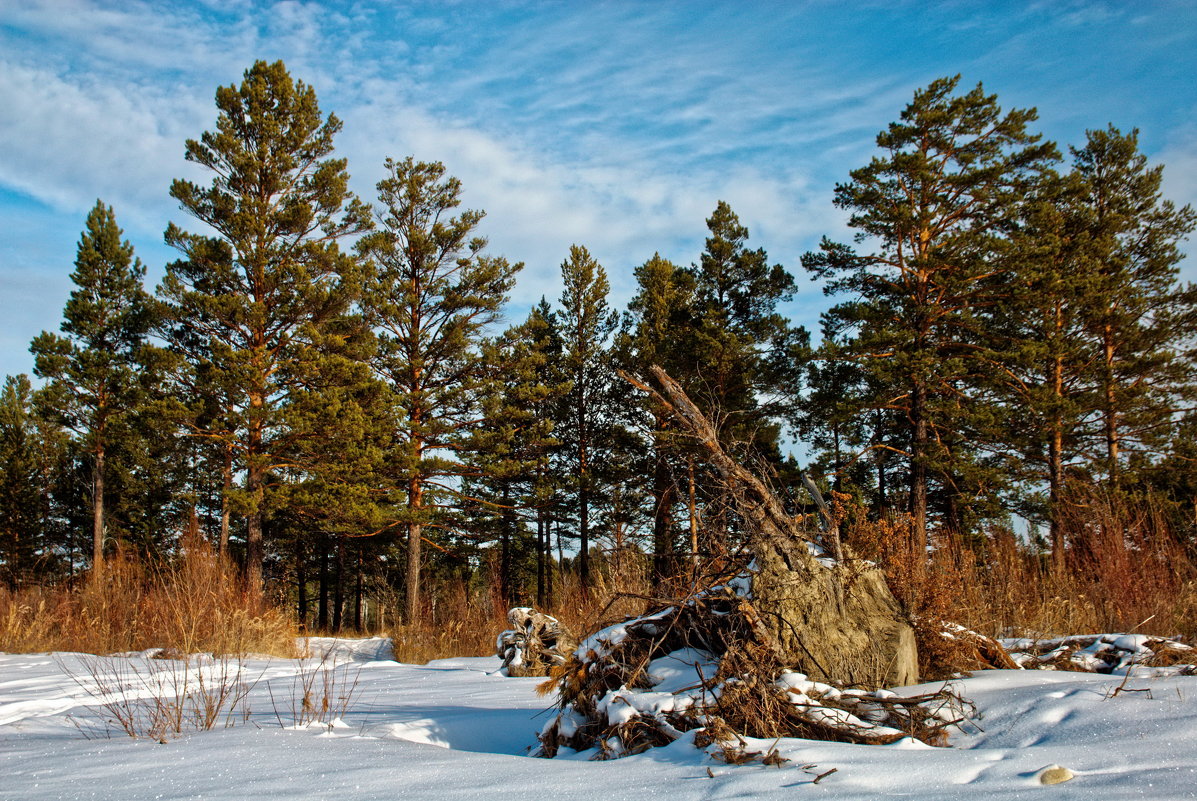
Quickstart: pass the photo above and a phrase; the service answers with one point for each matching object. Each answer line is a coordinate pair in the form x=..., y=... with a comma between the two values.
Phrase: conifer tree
x=746, y=357
x=1143, y=319
x=261, y=293
x=933, y=213
x=545, y=347
x=828, y=417
x=521, y=448
x=661, y=330
x=1046, y=384
x=92, y=371
x=33, y=456
x=430, y=293
x=746, y=350
x=586, y=324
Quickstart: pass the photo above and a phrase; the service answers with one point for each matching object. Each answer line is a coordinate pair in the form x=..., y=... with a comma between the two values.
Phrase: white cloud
x=67, y=140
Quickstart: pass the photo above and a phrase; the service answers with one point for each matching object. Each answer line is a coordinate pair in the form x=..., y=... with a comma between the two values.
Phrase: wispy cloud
x=615, y=125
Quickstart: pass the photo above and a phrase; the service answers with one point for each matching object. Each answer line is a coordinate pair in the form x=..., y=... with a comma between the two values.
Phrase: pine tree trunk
x=583, y=503
x=506, y=524
x=664, y=492
x=255, y=551
x=357, y=596
x=97, y=505
x=226, y=507
x=541, y=560
x=1055, y=467
x=415, y=531
x=301, y=583
x=918, y=470
x=1110, y=412
x=322, y=590
x=339, y=587
x=882, y=506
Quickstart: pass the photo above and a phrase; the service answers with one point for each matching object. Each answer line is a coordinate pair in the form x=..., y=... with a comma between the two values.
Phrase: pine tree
x=1144, y=317
x=515, y=451
x=546, y=485
x=586, y=324
x=747, y=360
x=746, y=351
x=261, y=294
x=828, y=419
x=661, y=329
x=29, y=464
x=934, y=210
x=431, y=293
x=92, y=371
x=1046, y=384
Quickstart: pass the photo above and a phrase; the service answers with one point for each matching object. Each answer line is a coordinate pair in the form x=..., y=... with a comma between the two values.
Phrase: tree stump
x=534, y=645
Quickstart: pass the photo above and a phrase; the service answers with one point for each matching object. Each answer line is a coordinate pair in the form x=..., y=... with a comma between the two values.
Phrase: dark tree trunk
x=918, y=468
x=301, y=582
x=322, y=590
x=97, y=506
x=357, y=596
x=542, y=558
x=664, y=497
x=339, y=587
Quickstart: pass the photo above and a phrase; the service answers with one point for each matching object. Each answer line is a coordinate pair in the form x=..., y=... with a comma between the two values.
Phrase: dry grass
x=1123, y=570
x=194, y=605
x=457, y=622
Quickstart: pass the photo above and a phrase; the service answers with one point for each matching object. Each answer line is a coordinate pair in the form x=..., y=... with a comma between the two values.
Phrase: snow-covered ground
x=456, y=729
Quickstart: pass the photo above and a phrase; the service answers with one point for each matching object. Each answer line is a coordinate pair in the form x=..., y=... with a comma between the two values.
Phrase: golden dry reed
x=1123, y=569
x=195, y=604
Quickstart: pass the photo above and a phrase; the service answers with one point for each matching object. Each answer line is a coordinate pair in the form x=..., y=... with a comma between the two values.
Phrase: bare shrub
x=322, y=692
x=161, y=698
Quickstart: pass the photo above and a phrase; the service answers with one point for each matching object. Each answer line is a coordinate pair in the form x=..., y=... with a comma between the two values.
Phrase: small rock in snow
x=1055, y=774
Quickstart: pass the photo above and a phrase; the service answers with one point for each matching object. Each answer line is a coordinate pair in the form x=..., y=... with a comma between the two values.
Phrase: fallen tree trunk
x=833, y=618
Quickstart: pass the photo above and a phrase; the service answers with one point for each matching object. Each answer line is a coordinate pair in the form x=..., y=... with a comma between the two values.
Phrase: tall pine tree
x=933, y=213
x=1144, y=318
x=586, y=323
x=430, y=293
x=263, y=290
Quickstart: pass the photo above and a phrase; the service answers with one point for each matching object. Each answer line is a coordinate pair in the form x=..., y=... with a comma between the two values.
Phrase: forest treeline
x=325, y=389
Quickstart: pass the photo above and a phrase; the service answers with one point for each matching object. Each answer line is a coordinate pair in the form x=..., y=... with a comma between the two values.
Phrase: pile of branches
x=958, y=651
x=1102, y=653
x=613, y=698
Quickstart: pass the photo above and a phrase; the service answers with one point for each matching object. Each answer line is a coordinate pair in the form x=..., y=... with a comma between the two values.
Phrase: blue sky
x=613, y=125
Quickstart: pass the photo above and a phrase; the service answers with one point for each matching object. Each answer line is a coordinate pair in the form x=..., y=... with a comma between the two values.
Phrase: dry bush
x=161, y=698
x=195, y=604
x=455, y=622
x=321, y=693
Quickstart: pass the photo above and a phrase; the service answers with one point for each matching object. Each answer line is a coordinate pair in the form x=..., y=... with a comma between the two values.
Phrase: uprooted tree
x=796, y=639
x=822, y=610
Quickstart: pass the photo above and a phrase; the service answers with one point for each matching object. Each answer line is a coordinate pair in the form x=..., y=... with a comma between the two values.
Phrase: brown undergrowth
x=457, y=622
x=194, y=604
x=1123, y=569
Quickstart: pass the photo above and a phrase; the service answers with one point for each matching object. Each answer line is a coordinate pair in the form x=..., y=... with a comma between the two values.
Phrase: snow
x=454, y=729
